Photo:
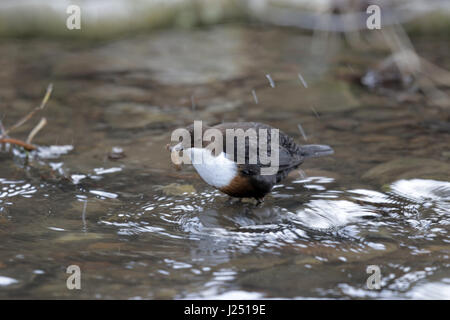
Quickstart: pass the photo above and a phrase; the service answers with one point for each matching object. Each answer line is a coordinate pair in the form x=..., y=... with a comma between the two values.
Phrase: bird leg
x=232, y=200
x=259, y=201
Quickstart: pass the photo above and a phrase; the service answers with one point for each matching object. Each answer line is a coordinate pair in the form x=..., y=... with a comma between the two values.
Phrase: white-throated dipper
x=253, y=157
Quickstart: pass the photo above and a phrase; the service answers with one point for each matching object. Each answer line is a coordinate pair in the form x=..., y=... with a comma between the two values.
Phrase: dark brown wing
x=289, y=155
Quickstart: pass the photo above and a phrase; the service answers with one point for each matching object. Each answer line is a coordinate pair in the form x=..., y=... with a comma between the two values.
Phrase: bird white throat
x=217, y=171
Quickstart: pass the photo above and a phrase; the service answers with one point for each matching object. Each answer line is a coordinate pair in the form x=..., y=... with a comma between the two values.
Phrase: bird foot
x=259, y=202
x=232, y=200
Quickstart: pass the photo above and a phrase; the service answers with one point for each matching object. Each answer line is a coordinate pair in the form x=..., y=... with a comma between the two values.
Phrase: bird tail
x=315, y=150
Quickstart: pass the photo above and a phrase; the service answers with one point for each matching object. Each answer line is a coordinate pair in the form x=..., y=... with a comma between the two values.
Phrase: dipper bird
x=244, y=179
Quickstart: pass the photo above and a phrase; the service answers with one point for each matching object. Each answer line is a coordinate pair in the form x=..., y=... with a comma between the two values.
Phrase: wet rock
x=380, y=138
x=106, y=246
x=343, y=124
x=75, y=237
x=437, y=125
x=305, y=173
x=116, y=154
x=181, y=57
x=339, y=97
x=3, y=220
x=53, y=290
x=275, y=280
x=254, y=262
x=132, y=115
x=222, y=106
x=165, y=293
x=350, y=253
x=407, y=168
x=111, y=93
x=175, y=189
x=376, y=111
x=292, y=97
x=305, y=272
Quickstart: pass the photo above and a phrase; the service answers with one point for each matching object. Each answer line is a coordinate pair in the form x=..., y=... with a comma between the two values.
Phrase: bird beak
x=174, y=154
x=175, y=148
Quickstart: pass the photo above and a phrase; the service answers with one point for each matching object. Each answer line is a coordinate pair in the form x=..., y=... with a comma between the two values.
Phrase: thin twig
x=17, y=142
x=36, y=129
x=29, y=115
x=437, y=74
x=2, y=130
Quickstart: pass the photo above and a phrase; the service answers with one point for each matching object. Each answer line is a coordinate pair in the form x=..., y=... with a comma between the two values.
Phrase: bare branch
x=2, y=130
x=36, y=129
x=29, y=115
x=17, y=142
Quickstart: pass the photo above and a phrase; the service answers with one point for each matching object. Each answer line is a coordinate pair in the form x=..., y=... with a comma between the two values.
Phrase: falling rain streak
x=272, y=84
x=315, y=112
x=302, y=132
x=302, y=80
x=254, y=96
x=83, y=215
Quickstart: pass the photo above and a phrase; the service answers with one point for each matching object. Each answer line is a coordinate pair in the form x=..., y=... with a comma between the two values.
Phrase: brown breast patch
x=239, y=187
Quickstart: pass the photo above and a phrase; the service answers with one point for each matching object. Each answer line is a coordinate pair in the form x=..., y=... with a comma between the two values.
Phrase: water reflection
x=9, y=189
x=329, y=226
x=307, y=230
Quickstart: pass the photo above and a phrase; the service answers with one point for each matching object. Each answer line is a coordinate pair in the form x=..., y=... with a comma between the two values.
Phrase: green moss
x=435, y=23
x=45, y=22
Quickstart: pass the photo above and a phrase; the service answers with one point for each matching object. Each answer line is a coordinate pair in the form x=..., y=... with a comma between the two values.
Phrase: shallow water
x=138, y=229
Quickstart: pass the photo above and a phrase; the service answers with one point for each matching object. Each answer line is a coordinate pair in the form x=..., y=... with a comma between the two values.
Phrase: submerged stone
x=133, y=115
x=408, y=168
x=176, y=189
